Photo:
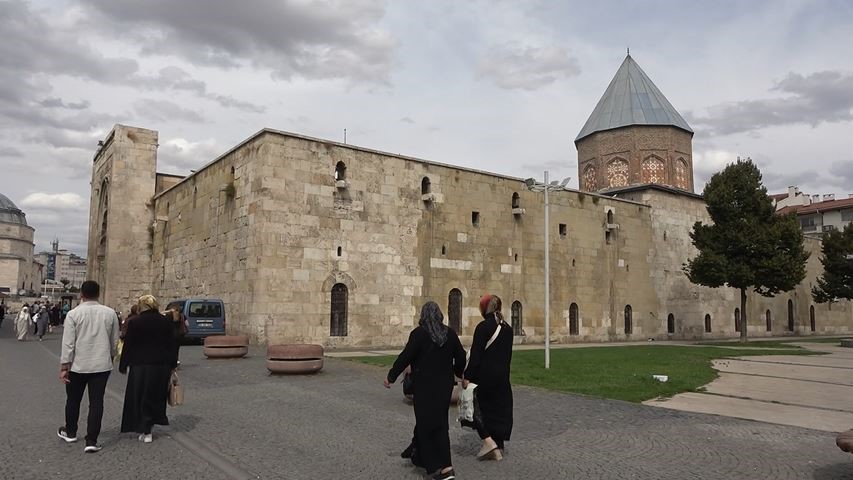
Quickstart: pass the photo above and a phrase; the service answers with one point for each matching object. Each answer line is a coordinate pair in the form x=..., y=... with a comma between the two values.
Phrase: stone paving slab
x=798, y=416
x=784, y=390
x=838, y=376
x=832, y=361
x=341, y=423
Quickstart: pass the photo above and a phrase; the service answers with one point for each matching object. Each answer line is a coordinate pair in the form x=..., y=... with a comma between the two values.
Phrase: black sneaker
x=63, y=434
x=449, y=475
x=407, y=453
x=95, y=449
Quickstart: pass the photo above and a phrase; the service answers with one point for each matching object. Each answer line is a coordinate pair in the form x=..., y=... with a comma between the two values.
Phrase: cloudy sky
x=502, y=86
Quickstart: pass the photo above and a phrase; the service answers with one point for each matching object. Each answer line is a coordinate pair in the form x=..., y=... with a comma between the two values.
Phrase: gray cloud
x=54, y=102
x=176, y=78
x=407, y=120
x=312, y=39
x=822, y=97
x=512, y=66
x=164, y=110
x=10, y=152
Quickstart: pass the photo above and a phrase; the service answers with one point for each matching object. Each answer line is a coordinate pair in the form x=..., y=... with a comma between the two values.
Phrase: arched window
x=454, y=309
x=340, y=297
x=590, y=178
x=670, y=323
x=811, y=318
x=737, y=319
x=707, y=323
x=426, y=186
x=790, y=315
x=516, y=200
x=340, y=171
x=617, y=172
x=574, y=327
x=682, y=174
x=768, y=318
x=629, y=320
x=653, y=170
x=516, y=318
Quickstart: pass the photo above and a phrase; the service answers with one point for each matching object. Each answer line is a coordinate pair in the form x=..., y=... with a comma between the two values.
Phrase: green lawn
x=623, y=373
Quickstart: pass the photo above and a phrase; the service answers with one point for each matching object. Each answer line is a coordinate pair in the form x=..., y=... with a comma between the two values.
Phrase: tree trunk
x=743, y=315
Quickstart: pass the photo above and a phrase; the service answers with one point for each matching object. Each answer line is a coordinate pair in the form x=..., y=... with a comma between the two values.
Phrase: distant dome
x=9, y=213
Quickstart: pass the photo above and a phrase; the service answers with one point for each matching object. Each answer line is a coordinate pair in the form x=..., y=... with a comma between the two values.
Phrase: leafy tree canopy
x=836, y=283
x=748, y=245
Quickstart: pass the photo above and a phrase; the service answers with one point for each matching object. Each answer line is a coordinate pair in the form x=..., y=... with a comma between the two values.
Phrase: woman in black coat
x=149, y=351
x=488, y=367
x=436, y=357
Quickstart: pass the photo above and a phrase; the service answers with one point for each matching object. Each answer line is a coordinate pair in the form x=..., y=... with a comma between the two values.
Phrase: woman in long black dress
x=488, y=367
x=436, y=357
x=149, y=351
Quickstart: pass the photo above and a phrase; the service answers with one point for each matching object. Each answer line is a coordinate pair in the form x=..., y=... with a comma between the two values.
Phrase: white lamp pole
x=547, y=282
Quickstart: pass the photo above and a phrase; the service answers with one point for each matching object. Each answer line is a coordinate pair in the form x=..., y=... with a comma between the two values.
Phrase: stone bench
x=847, y=342
x=294, y=358
x=226, y=346
x=844, y=441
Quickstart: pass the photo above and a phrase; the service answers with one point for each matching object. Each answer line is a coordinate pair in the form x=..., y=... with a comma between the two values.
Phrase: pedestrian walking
x=2, y=312
x=488, y=367
x=66, y=307
x=149, y=353
x=179, y=330
x=34, y=314
x=22, y=323
x=88, y=348
x=54, y=317
x=436, y=357
x=42, y=321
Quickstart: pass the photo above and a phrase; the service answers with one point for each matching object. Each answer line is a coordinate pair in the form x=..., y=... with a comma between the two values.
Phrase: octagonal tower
x=634, y=137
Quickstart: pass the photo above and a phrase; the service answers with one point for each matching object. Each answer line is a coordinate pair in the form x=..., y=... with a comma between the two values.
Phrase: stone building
x=308, y=240
x=18, y=271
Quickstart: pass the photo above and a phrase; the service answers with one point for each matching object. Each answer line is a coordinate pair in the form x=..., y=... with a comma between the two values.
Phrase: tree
x=64, y=283
x=836, y=283
x=748, y=246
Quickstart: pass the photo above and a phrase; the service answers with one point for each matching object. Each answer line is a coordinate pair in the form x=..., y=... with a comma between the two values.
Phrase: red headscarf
x=484, y=303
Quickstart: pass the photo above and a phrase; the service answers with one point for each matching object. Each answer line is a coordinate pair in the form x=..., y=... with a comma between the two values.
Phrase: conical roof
x=631, y=99
x=9, y=213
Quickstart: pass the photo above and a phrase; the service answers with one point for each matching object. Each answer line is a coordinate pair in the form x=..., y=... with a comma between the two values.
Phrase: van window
x=205, y=309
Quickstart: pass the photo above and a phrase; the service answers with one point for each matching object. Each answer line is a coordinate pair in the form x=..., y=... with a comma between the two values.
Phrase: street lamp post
x=535, y=186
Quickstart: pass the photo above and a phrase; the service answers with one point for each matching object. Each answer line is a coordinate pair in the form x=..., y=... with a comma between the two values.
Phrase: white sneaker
x=92, y=448
x=61, y=433
x=147, y=438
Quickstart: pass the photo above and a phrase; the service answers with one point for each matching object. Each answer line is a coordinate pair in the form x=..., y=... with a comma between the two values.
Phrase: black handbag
x=408, y=384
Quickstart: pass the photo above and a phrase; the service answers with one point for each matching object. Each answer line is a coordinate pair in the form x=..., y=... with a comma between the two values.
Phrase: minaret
x=634, y=137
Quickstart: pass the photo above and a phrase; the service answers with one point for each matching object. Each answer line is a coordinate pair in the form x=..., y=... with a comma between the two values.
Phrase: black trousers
x=97, y=385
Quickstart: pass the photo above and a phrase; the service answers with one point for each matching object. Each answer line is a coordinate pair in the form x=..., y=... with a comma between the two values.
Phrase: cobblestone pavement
x=342, y=423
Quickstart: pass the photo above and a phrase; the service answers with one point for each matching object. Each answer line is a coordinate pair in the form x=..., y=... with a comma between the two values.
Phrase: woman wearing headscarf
x=22, y=323
x=436, y=357
x=149, y=352
x=42, y=321
x=488, y=367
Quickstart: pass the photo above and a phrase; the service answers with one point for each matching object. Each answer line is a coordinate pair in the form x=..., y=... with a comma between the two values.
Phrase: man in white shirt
x=88, y=348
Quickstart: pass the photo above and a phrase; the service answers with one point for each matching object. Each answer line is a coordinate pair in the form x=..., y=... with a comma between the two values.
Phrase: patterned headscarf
x=147, y=302
x=431, y=321
x=491, y=304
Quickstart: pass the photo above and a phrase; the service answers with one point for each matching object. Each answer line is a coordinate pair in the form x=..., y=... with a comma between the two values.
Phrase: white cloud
x=513, y=66
x=180, y=155
x=54, y=201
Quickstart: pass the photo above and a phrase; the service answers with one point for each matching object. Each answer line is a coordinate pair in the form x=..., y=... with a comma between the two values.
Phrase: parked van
x=205, y=316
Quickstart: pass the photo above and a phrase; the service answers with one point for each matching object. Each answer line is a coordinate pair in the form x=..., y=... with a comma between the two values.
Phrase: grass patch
x=622, y=373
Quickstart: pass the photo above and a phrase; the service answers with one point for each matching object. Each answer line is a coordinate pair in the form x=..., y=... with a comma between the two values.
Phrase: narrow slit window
x=340, y=250
x=475, y=219
x=563, y=229
x=340, y=171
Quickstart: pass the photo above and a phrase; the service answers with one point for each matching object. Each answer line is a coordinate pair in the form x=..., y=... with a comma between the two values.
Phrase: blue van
x=205, y=316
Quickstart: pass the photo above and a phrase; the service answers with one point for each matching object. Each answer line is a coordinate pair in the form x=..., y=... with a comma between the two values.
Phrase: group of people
x=435, y=357
x=148, y=355
x=41, y=317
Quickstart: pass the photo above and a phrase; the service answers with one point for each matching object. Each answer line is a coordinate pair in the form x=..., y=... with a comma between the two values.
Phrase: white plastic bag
x=466, y=403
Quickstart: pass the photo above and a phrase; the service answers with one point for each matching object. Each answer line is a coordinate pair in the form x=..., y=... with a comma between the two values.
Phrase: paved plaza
x=240, y=422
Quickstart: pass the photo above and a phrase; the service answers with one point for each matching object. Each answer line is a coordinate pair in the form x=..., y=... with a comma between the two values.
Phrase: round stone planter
x=844, y=441
x=294, y=359
x=226, y=346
